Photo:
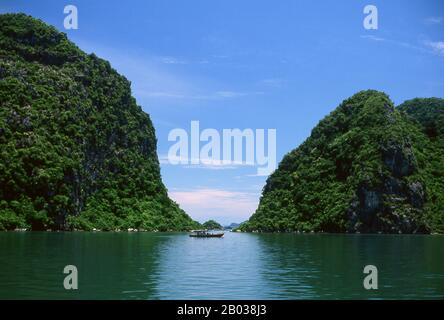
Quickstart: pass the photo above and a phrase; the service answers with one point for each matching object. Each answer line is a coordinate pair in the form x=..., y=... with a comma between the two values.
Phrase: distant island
x=368, y=167
x=212, y=225
x=232, y=226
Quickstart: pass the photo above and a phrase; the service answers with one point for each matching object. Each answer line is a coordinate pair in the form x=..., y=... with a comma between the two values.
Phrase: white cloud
x=154, y=80
x=429, y=47
x=204, y=203
x=204, y=163
x=216, y=95
x=272, y=82
x=434, y=20
x=172, y=60
x=220, y=56
x=372, y=37
x=257, y=175
x=437, y=46
x=235, y=94
x=161, y=94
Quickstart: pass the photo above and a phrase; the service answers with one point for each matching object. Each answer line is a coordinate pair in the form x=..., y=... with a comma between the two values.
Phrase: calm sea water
x=238, y=266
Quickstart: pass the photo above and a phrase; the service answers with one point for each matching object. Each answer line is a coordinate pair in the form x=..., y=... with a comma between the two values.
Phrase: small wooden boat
x=205, y=234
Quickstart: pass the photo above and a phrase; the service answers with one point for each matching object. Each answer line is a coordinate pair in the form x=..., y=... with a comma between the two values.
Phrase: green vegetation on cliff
x=76, y=151
x=212, y=225
x=367, y=167
x=428, y=114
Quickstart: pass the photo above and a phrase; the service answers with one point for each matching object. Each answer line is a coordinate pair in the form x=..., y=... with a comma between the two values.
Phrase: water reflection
x=195, y=268
x=331, y=266
x=110, y=265
x=239, y=266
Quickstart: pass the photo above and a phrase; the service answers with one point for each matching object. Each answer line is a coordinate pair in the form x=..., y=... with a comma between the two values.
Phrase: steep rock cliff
x=367, y=167
x=76, y=151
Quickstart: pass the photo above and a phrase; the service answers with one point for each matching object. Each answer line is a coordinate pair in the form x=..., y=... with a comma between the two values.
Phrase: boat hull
x=216, y=235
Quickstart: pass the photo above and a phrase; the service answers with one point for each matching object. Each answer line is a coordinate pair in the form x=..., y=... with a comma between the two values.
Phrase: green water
x=238, y=266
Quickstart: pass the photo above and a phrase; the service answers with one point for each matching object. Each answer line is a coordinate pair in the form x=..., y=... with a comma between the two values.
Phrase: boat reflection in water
x=205, y=234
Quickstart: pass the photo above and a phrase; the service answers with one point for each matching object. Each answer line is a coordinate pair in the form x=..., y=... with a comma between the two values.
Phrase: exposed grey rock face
x=399, y=159
x=417, y=195
x=378, y=209
x=394, y=208
x=399, y=213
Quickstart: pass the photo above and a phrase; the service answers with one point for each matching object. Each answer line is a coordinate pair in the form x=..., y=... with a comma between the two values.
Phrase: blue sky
x=252, y=64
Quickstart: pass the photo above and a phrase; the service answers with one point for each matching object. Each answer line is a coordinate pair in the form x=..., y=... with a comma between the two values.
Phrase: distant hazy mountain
x=232, y=225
